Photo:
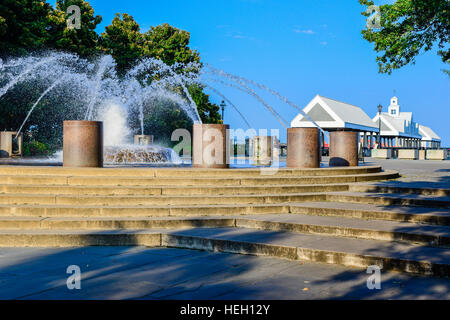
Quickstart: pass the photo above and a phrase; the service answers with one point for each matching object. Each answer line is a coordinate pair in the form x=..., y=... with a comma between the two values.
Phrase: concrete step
x=192, y=180
x=166, y=190
x=394, y=256
x=178, y=172
x=168, y=200
x=331, y=226
x=423, y=215
x=392, y=188
x=389, y=199
x=433, y=216
x=138, y=211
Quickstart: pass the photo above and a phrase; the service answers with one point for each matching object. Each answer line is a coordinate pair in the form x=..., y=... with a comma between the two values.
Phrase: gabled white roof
x=394, y=126
x=428, y=134
x=333, y=114
x=406, y=116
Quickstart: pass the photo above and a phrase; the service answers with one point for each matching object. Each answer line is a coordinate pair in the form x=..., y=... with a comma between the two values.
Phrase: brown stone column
x=210, y=146
x=303, y=148
x=343, y=148
x=83, y=144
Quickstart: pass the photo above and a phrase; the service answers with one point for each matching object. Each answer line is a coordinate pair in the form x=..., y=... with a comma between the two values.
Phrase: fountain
x=118, y=102
x=108, y=101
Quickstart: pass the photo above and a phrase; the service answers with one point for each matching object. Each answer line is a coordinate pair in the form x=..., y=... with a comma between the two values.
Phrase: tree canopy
x=23, y=26
x=169, y=45
x=82, y=41
x=407, y=28
x=123, y=40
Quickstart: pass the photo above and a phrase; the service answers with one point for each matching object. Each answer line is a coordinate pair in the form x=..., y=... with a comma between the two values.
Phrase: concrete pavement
x=143, y=273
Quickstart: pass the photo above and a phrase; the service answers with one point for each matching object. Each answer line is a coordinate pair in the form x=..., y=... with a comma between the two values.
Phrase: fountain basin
x=139, y=154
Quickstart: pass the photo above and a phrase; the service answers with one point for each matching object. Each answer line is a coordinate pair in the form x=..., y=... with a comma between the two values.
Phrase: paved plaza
x=143, y=273
x=120, y=272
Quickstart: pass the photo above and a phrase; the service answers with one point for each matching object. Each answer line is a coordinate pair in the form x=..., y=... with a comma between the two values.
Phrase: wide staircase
x=346, y=216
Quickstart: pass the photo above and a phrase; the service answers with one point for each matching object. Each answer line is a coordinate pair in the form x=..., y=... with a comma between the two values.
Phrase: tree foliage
x=123, y=40
x=169, y=45
x=82, y=41
x=407, y=28
x=23, y=26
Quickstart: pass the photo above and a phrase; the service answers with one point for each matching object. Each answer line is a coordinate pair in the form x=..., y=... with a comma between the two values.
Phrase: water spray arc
x=36, y=103
x=242, y=81
x=251, y=92
x=229, y=102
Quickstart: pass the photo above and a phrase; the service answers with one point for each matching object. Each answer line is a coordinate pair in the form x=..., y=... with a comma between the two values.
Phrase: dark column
x=210, y=146
x=343, y=148
x=83, y=144
x=303, y=146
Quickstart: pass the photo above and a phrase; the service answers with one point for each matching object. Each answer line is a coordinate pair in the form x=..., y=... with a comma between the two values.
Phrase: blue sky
x=298, y=48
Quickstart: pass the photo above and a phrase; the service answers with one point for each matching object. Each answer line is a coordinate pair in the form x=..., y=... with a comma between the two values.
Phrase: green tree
x=123, y=40
x=23, y=26
x=407, y=28
x=169, y=45
x=82, y=41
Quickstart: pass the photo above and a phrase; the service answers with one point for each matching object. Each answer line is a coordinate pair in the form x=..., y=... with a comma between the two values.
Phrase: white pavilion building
x=430, y=139
x=332, y=114
x=398, y=129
